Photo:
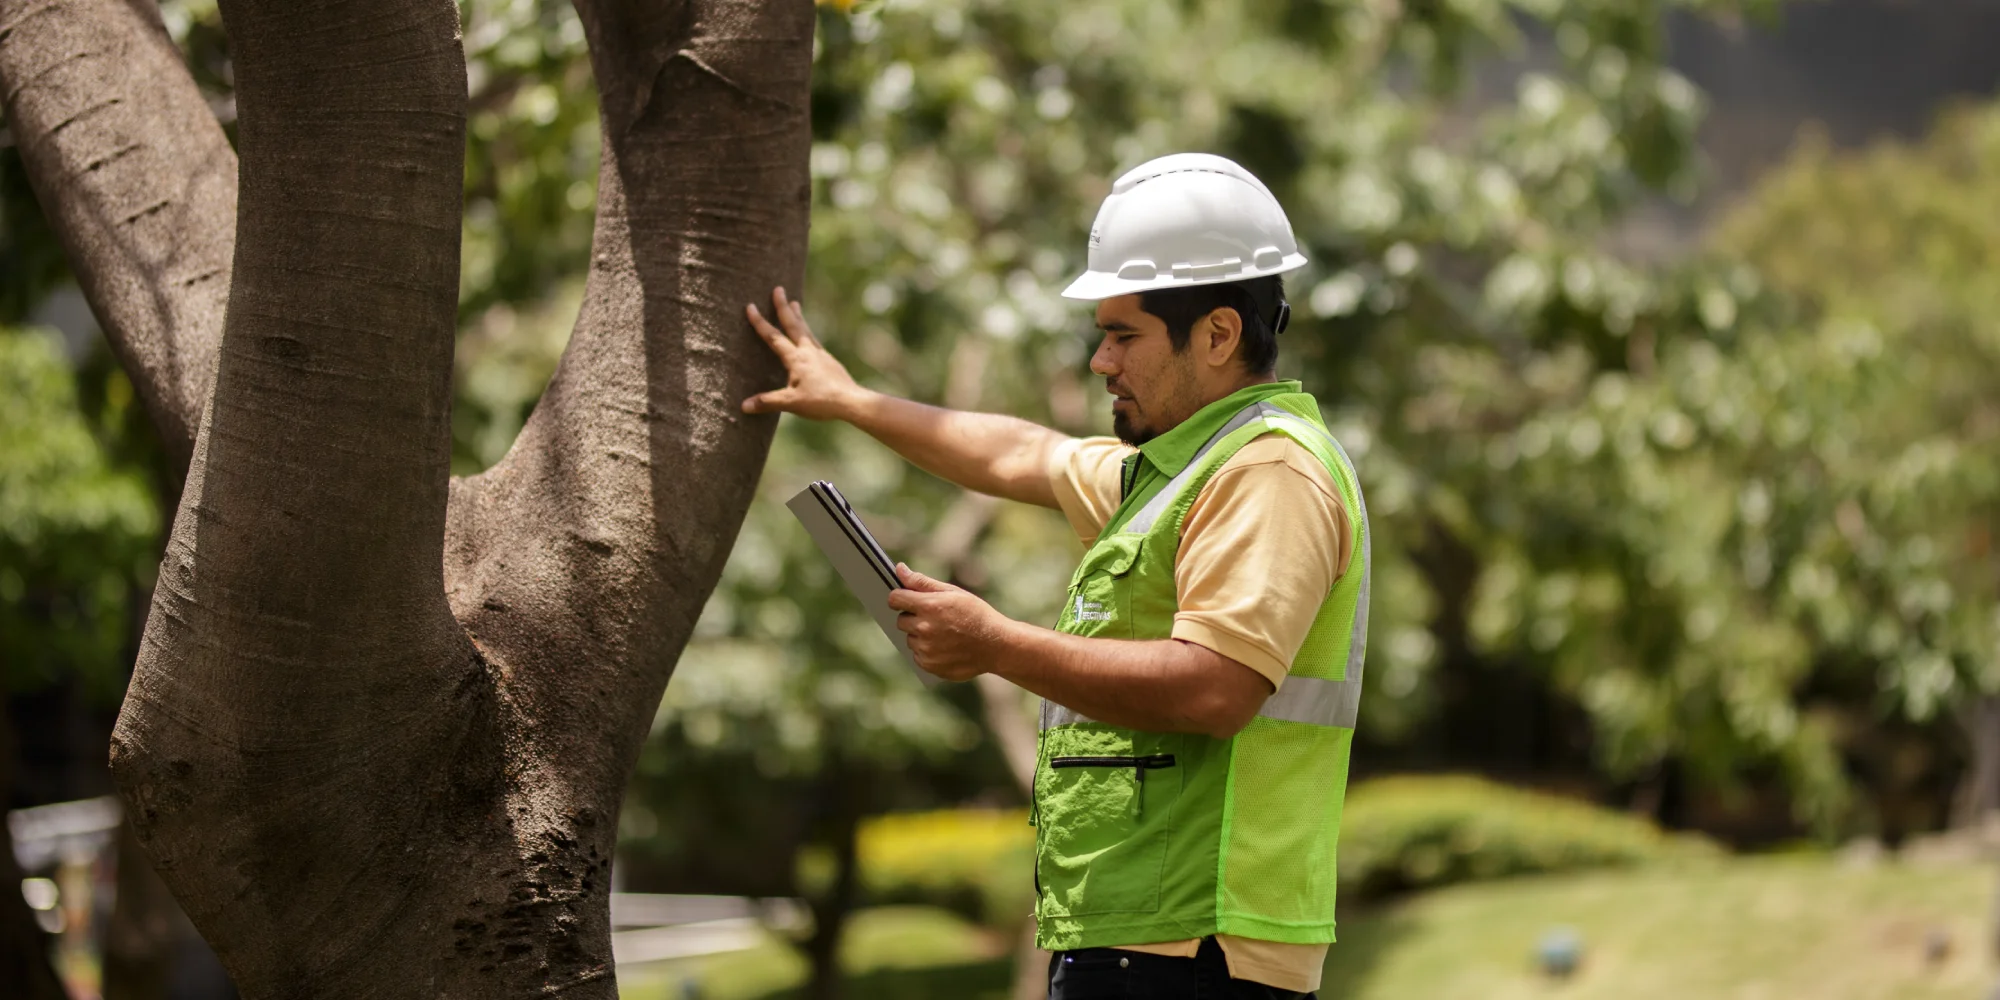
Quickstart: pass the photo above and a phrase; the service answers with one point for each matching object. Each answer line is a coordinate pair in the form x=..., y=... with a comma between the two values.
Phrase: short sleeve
x=1085, y=474
x=1260, y=550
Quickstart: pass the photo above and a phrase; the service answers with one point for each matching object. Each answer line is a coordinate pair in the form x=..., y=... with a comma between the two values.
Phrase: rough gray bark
x=381, y=721
x=137, y=179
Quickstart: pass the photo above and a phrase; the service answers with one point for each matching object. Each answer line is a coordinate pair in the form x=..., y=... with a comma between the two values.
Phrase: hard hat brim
x=1096, y=286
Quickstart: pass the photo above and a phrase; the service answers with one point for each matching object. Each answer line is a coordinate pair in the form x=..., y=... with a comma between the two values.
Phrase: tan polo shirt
x=1237, y=553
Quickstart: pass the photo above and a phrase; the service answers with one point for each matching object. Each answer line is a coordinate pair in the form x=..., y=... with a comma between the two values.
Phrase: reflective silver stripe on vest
x=1317, y=701
x=1054, y=715
x=1142, y=522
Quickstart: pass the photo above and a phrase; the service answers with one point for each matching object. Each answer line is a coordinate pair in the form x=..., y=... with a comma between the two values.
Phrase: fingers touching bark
x=139, y=182
x=583, y=558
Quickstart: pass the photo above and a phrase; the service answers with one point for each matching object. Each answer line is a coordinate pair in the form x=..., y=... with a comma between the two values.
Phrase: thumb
x=768, y=402
x=917, y=581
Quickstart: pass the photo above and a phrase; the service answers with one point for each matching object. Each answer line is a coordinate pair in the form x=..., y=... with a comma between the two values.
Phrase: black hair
x=1260, y=302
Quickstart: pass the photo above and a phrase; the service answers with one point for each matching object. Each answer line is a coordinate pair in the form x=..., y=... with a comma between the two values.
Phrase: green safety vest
x=1148, y=837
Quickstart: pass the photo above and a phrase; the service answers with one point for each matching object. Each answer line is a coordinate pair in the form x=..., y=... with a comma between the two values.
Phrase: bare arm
x=989, y=453
x=1160, y=686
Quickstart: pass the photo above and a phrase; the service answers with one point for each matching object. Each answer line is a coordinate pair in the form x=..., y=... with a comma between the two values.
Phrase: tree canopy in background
x=1460, y=298
x=1571, y=459
x=1711, y=531
x=78, y=521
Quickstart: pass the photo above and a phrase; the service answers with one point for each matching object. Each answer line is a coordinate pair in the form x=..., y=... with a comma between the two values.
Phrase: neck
x=1235, y=385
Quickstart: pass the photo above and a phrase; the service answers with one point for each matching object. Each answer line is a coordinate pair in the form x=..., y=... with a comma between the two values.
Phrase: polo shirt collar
x=1171, y=452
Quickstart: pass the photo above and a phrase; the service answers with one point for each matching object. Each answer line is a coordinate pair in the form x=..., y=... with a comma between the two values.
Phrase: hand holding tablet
x=862, y=564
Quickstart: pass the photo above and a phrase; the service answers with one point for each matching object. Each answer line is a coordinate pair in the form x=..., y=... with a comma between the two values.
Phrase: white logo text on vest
x=1091, y=611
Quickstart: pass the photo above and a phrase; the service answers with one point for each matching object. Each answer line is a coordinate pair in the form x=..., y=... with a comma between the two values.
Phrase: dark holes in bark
x=283, y=348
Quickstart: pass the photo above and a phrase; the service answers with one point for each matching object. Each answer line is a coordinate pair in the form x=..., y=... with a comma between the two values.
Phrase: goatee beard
x=1134, y=436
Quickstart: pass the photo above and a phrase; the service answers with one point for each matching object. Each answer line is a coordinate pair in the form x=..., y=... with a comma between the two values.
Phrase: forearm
x=989, y=453
x=1160, y=686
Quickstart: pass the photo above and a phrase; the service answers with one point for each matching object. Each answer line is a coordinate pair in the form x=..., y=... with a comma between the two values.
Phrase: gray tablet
x=867, y=570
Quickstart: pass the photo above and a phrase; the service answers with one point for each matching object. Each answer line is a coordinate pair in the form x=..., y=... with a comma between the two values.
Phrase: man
x=1200, y=684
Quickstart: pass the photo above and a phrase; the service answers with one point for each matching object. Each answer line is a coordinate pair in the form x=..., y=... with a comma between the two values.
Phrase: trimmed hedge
x=1407, y=833
x=1398, y=834
x=978, y=863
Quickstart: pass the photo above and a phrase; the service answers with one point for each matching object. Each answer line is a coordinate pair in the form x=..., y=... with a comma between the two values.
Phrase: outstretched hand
x=952, y=633
x=818, y=386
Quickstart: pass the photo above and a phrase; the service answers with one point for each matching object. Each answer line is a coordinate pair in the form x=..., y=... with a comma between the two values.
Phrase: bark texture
x=139, y=182
x=381, y=721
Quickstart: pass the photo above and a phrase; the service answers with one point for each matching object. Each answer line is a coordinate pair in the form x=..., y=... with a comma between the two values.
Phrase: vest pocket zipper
x=1139, y=766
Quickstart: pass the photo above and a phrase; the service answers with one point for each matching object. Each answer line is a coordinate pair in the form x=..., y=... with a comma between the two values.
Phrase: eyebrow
x=1117, y=326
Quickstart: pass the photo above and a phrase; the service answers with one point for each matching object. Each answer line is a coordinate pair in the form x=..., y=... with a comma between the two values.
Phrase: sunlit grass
x=1775, y=927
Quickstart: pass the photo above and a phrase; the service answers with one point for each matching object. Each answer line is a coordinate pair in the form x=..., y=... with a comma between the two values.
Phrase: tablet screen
x=857, y=533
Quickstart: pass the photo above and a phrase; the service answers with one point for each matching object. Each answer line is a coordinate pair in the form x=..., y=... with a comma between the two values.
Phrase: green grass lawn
x=1745, y=929
x=1769, y=928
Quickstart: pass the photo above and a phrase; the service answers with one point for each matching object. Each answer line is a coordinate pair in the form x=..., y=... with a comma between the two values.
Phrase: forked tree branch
x=139, y=182
x=348, y=796
x=581, y=560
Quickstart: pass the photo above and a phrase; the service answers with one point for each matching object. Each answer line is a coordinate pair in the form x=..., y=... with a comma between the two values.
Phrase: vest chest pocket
x=1099, y=602
x=1106, y=809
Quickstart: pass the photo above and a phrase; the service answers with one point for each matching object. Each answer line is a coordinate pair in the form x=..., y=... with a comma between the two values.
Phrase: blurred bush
x=78, y=523
x=1409, y=833
x=974, y=862
x=1398, y=834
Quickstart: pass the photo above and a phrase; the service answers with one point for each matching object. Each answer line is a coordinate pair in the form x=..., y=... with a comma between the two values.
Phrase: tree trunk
x=24, y=949
x=1008, y=721
x=1031, y=967
x=830, y=909
x=382, y=721
x=1014, y=729
x=147, y=932
x=139, y=183
x=1979, y=789
x=145, y=922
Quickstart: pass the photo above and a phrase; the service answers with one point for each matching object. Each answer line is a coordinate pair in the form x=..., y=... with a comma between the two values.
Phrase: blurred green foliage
x=1886, y=491
x=974, y=862
x=1559, y=450
x=1731, y=514
x=31, y=261
x=1460, y=315
x=78, y=527
x=1397, y=834
x=1406, y=833
x=1460, y=311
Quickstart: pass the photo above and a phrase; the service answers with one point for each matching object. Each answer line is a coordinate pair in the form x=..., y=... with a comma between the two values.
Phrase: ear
x=1224, y=334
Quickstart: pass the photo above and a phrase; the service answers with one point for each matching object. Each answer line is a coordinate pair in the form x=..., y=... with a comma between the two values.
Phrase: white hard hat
x=1184, y=220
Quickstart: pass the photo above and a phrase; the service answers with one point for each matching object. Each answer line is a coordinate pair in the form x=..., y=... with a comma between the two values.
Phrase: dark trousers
x=1112, y=974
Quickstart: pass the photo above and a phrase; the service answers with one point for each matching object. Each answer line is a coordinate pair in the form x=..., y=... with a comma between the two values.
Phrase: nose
x=1100, y=360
